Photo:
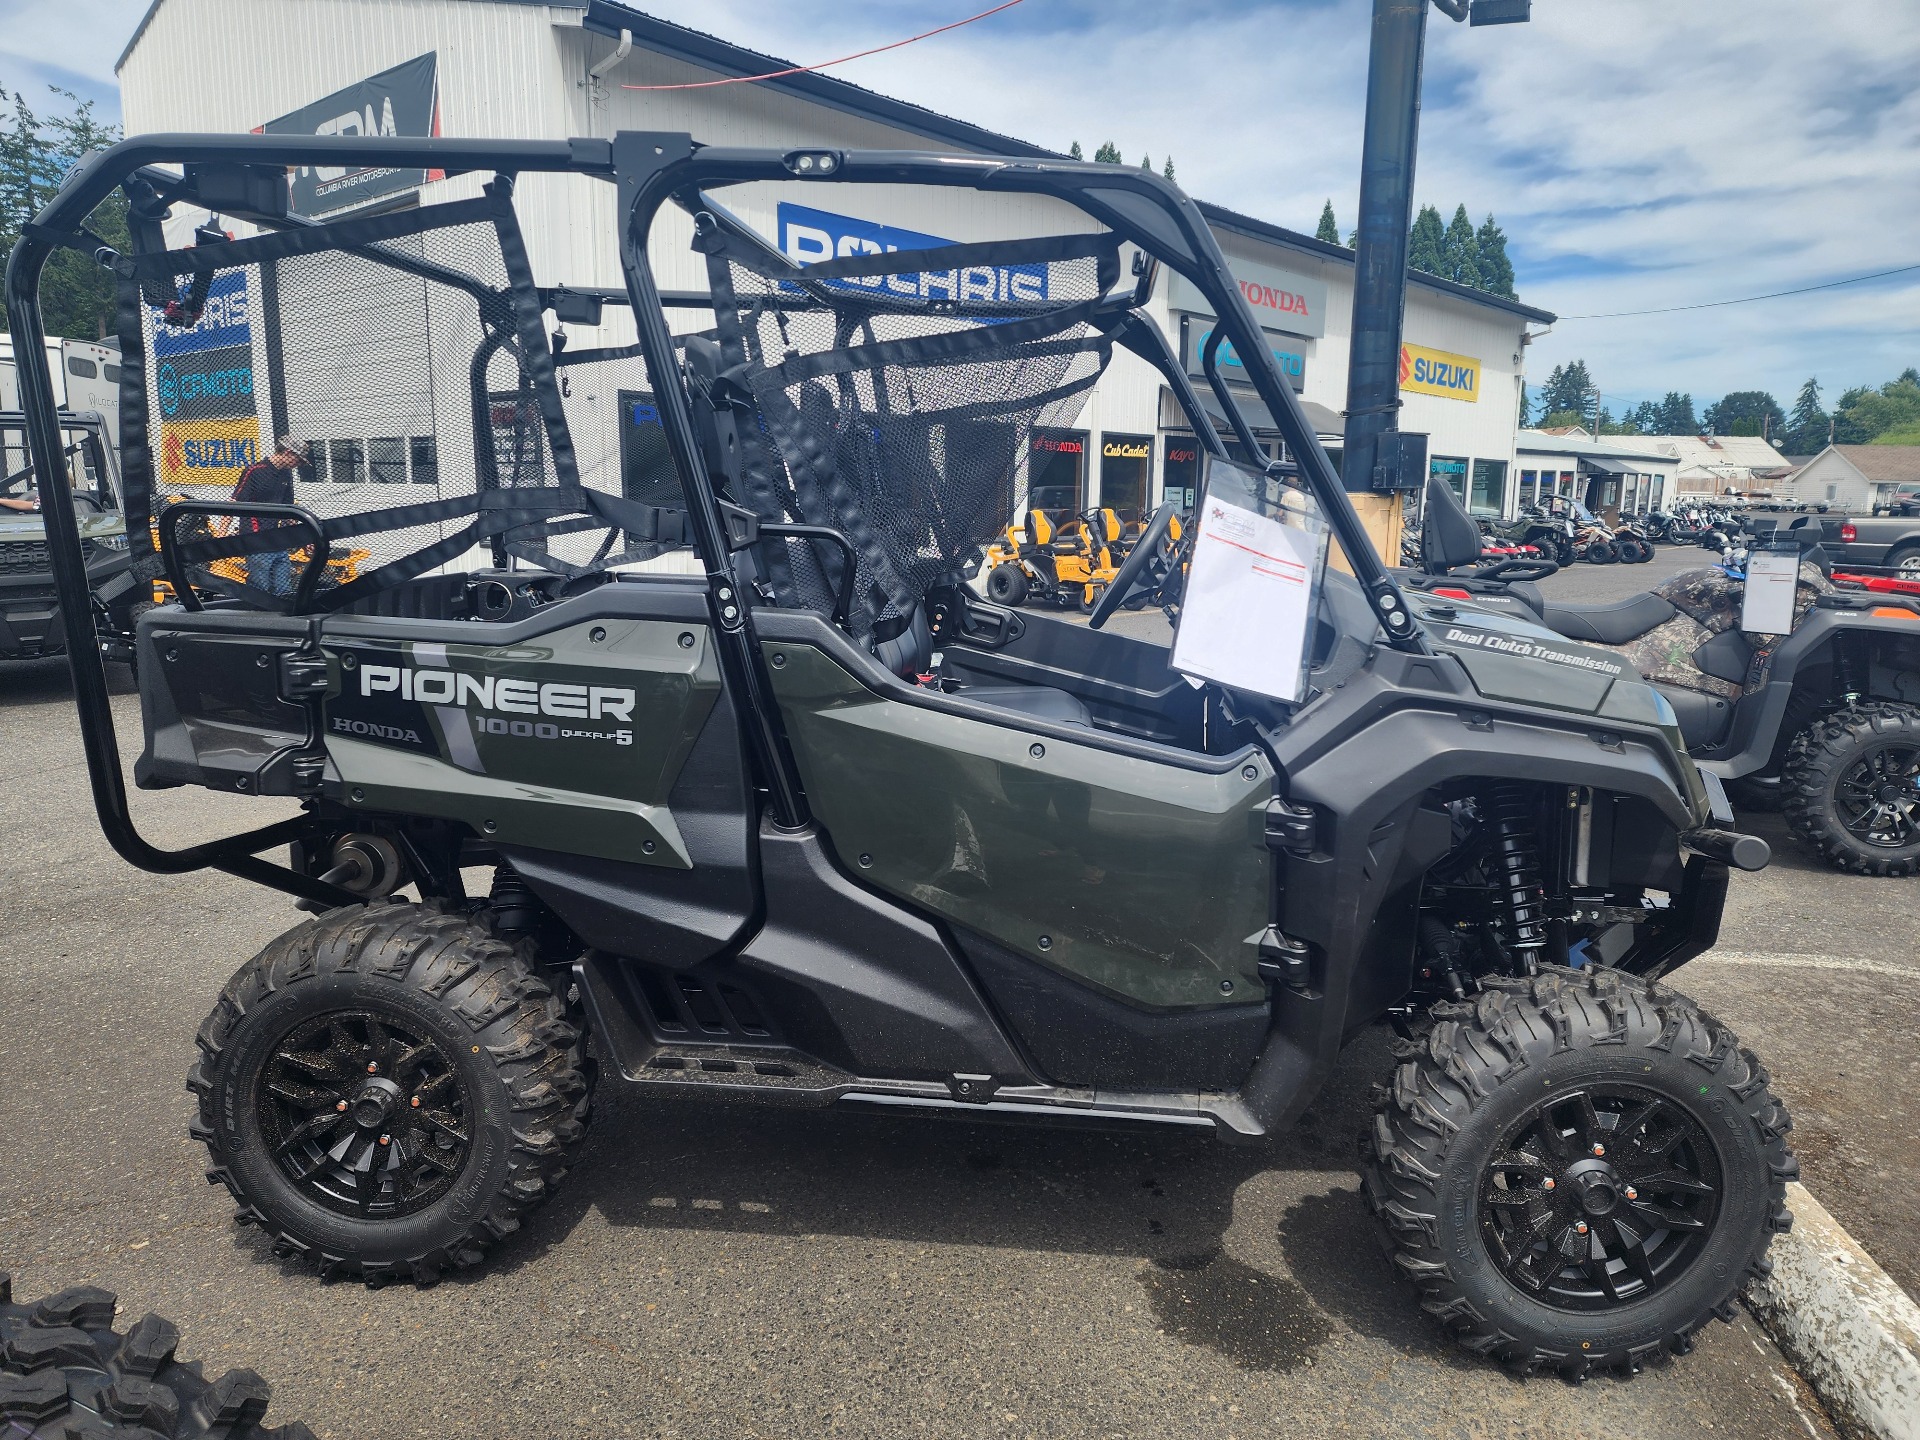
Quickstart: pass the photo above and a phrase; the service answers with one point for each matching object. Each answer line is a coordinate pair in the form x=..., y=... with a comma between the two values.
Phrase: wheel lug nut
x=1599, y=1149
x=1632, y=1194
x=416, y=1102
x=373, y=1068
x=1581, y=1228
x=387, y=1140
x=341, y=1106
x=1550, y=1183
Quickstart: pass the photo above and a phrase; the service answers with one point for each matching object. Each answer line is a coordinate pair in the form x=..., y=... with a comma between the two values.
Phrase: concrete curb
x=1849, y=1329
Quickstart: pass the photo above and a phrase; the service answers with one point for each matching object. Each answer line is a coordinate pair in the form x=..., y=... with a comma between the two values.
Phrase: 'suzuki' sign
x=1281, y=300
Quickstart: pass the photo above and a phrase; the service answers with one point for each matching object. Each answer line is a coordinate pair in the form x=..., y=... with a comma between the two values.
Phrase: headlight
x=111, y=542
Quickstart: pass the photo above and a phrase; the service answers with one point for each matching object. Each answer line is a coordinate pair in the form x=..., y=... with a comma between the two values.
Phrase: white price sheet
x=1773, y=578
x=1249, y=599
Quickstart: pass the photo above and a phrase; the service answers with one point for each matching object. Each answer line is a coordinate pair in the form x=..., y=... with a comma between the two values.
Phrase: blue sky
x=1639, y=153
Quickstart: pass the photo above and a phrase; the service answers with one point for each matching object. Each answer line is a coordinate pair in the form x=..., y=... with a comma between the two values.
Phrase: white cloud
x=1639, y=153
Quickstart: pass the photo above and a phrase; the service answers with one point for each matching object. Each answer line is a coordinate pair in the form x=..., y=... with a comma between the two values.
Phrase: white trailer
x=86, y=376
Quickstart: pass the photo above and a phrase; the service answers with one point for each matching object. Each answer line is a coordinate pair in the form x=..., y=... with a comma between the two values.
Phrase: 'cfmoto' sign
x=1438, y=372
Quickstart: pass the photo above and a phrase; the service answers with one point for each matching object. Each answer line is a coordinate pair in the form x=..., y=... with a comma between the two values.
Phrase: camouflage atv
x=683, y=646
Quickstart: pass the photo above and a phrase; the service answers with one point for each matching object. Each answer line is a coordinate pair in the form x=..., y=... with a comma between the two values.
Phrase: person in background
x=15, y=502
x=270, y=482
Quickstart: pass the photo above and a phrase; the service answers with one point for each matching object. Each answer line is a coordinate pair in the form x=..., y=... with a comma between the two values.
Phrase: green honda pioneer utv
x=679, y=640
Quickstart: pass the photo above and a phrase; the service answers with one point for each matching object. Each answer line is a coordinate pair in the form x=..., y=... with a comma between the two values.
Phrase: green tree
x=1746, y=412
x=36, y=151
x=1645, y=414
x=1108, y=154
x=1328, y=231
x=1865, y=415
x=1674, y=415
x=1564, y=419
x=1074, y=152
x=1426, y=242
x=1459, y=252
x=1807, y=424
x=1166, y=171
x=1569, y=387
x=1496, y=270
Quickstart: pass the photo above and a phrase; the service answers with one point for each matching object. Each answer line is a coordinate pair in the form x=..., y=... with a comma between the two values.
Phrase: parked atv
x=746, y=829
x=89, y=479
x=1826, y=718
x=1550, y=536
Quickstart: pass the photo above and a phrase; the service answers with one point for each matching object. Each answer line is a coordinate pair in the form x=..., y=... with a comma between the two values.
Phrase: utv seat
x=1613, y=623
x=909, y=654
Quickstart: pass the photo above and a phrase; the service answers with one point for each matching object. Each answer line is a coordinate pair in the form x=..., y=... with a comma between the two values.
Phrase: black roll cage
x=243, y=176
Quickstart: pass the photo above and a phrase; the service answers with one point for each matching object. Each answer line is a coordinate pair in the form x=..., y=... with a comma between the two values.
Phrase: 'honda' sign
x=402, y=101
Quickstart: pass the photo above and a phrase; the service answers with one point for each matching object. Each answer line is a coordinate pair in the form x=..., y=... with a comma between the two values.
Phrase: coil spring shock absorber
x=1514, y=873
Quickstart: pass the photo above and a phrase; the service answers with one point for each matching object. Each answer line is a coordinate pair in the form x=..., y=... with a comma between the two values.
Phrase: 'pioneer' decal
x=1533, y=650
x=491, y=692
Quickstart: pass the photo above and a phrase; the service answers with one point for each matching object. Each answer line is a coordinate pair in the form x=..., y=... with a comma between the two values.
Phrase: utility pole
x=1376, y=463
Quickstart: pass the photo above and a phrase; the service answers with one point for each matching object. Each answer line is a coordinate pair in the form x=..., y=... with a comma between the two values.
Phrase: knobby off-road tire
x=65, y=1374
x=1452, y=1129
x=1833, y=768
x=386, y=1091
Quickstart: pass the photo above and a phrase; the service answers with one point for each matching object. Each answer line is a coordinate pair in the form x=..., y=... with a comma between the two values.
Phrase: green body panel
x=1148, y=881
x=534, y=764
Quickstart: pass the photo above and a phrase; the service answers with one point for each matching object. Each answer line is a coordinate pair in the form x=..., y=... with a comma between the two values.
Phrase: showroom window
x=1453, y=470
x=1057, y=471
x=1180, y=471
x=1489, y=492
x=1126, y=467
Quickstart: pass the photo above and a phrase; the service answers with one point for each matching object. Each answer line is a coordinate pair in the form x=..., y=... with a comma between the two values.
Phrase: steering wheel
x=1513, y=567
x=1137, y=568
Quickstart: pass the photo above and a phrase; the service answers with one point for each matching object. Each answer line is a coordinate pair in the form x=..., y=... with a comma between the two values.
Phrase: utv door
x=1092, y=879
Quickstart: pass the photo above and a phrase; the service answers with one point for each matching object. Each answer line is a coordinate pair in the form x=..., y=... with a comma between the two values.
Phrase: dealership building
x=523, y=70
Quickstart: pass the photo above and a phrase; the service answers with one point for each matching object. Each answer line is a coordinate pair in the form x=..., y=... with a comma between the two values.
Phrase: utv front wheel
x=1850, y=788
x=1577, y=1171
x=387, y=1090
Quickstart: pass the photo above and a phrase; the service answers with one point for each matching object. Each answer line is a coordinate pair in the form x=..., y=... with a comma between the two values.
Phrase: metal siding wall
x=520, y=71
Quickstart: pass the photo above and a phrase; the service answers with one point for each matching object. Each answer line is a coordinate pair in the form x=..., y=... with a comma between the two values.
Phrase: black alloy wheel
x=1879, y=796
x=1850, y=788
x=1599, y=1196
x=1576, y=1170
x=387, y=1090
x=366, y=1114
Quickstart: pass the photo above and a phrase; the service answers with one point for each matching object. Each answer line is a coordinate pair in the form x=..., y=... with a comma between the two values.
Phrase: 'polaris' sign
x=808, y=236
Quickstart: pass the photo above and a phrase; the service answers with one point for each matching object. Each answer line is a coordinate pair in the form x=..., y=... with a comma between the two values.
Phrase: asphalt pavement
x=713, y=1272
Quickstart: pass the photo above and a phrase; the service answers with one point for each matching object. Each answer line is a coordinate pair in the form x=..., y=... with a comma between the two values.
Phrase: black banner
x=206, y=384
x=402, y=101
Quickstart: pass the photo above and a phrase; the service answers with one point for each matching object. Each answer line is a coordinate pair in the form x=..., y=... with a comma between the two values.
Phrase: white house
x=1613, y=475
x=1854, y=478
x=1712, y=465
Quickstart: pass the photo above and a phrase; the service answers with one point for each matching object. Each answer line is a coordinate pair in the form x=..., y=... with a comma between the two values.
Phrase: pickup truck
x=1905, y=500
x=1860, y=541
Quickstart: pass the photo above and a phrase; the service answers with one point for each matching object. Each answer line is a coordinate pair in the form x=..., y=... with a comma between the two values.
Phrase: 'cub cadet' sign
x=1435, y=372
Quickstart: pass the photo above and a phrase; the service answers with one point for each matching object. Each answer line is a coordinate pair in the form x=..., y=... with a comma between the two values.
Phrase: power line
x=827, y=64
x=1746, y=299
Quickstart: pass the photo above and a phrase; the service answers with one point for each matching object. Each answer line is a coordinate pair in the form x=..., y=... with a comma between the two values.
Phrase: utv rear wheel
x=65, y=1371
x=1602, y=552
x=1007, y=584
x=1577, y=1171
x=387, y=1090
x=1850, y=788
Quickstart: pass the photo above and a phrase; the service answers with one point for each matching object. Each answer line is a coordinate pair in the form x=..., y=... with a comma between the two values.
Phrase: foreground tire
x=65, y=1372
x=1007, y=584
x=1577, y=1171
x=1602, y=552
x=1850, y=788
x=388, y=1089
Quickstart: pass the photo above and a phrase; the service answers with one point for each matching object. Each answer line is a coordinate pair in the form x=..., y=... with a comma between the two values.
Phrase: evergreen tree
x=1074, y=151
x=1496, y=270
x=1166, y=171
x=1569, y=387
x=1146, y=162
x=1328, y=231
x=1459, y=253
x=1555, y=378
x=1644, y=416
x=1807, y=425
x=1564, y=420
x=1526, y=407
x=1909, y=376
x=76, y=295
x=1426, y=243
x=1674, y=415
x=1353, y=239
x=1108, y=154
